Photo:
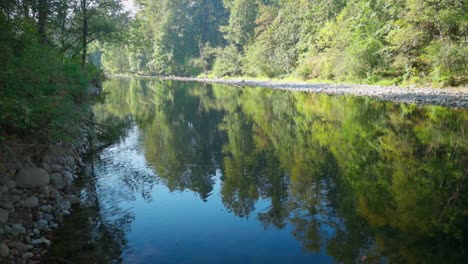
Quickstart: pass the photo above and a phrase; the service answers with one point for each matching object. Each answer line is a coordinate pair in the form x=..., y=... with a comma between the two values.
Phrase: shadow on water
x=314, y=177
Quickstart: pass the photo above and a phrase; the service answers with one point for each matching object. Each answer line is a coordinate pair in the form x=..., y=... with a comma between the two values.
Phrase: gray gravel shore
x=450, y=97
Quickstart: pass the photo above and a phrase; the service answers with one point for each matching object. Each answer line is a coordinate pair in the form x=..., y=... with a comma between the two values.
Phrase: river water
x=202, y=173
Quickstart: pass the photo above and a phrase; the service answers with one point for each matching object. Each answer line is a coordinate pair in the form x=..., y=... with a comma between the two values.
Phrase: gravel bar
x=450, y=97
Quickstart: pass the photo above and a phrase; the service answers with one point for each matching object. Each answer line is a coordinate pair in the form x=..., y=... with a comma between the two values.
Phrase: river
x=210, y=173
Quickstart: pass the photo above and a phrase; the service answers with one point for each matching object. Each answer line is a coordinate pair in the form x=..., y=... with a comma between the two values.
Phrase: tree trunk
x=84, y=32
x=42, y=20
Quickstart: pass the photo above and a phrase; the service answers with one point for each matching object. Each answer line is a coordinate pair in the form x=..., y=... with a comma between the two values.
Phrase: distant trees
x=391, y=42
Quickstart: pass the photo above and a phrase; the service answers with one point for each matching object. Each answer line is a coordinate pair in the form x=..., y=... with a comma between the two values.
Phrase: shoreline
x=36, y=192
x=455, y=97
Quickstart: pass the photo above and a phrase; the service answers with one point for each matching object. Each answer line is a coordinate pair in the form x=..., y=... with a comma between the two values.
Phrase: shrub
x=228, y=62
x=40, y=93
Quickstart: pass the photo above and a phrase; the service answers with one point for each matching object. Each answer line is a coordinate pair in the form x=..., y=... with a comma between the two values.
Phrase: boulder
x=32, y=177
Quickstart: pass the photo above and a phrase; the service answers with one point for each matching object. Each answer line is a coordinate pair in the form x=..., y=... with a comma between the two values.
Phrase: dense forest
x=44, y=74
x=45, y=46
x=377, y=41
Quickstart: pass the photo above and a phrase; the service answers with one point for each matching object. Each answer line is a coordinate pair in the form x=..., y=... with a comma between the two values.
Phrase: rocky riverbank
x=450, y=97
x=36, y=192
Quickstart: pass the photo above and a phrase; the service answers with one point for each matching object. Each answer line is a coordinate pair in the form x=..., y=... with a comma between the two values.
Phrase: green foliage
x=43, y=85
x=397, y=41
x=228, y=62
x=42, y=93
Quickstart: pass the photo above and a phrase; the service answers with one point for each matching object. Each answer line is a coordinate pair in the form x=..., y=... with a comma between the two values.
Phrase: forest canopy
x=377, y=41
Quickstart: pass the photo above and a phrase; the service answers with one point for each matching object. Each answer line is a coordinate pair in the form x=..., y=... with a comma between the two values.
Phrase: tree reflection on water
x=355, y=176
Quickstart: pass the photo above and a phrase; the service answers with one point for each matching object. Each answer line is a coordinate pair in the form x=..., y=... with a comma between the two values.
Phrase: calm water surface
x=218, y=174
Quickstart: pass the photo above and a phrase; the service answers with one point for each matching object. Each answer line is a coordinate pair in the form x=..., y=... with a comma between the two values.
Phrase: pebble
x=3, y=189
x=11, y=184
x=4, y=250
x=28, y=255
x=31, y=202
x=22, y=247
x=38, y=215
x=7, y=205
x=17, y=229
x=44, y=190
x=65, y=205
x=42, y=224
x=48, y=217
x=14, y=198
x=68, y=177
x=4, y=214
x=7, y=230
x=56, y=168
x=40, y=241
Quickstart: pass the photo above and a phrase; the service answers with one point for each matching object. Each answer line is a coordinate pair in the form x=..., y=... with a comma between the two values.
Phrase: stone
x=28, y=255
x=31, y=202
x=46, y=166
x=15, y=198
x=38, y=216
x=3, y=189
x=66, y=212
x=56, y=168
x=57, y=180
x=68, y=177
x=65, y=205
x=40, y=241
x=48, y=217
x=11, y=184
x=20, y=246
x=44, y=190
x=7, y=230
x=4, y=250
x=7, y=205
x=32, y=177
x=3, y=216
x=42, y=224
x=17, y=229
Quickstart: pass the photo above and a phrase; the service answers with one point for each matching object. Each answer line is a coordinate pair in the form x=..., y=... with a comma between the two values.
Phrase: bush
x=228, y=62
x=40, y=93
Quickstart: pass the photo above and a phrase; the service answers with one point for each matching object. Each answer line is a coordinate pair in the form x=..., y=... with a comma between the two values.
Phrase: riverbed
x=211, y=173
